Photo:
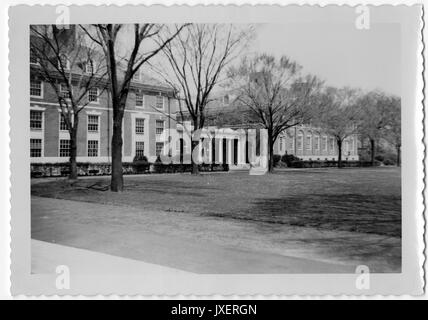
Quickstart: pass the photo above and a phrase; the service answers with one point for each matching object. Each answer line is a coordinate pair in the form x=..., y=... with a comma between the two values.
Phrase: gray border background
x=410, y=281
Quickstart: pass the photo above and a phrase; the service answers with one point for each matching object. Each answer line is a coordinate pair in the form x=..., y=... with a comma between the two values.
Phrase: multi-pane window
x=139, y=148
x=62, y=124
x=281, y=143
x=308, y=143
x=35, y=148
x=159, y=102
x=93, y=123
x=93, y=95
x=300, y=142
x=331, y=144
x=139, y=125
x=64, y=62
x=159, y=126
x=159, y=148
x=324, y=143
x=92, y=148
x=139, y=99
x=36, y=120
x=33, y=58
x=64, y=147
x=317, y=143
x=36, y=88
x=136, y=75
x=89, y=67
x=63, y=89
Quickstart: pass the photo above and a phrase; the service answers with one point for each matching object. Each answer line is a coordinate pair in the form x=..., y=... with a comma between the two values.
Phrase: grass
x=359, y=200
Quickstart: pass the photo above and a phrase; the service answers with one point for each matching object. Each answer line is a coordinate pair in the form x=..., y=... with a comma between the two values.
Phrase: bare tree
x=339, y=115
x=73, y=68
x=374, y=117
x=392, y=131
x=196, y=60
x=276, y=94
x=125, y=56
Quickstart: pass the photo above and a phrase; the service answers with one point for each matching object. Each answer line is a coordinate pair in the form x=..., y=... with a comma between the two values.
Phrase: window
x=139, y=148
x=35, y=148
x=332, y=144
x=65, y=93
x=281, y=143
x=92, y=148
x=159, y=126
x=64, y=148
x=62, y=123
x=291, y=144
x=89, y=67
x=33, y=58
x=136, y=75
x=159, y=102
x=35, y=88
x=36, y=120
x=93, y=123
x=139, y=126
x=139, y=99
x=300, y=142
x=159, y=148
x=308, y=142
x=317, y=143
x=63, y=62
x=93, y=95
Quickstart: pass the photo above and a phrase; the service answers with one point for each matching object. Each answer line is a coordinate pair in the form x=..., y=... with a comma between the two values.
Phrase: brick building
x=150, y=111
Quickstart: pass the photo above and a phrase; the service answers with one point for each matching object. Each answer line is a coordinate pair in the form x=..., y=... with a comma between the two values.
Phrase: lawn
x=366, y=200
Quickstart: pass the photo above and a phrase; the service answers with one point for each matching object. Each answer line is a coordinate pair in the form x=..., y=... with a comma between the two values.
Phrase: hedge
x=99, y=169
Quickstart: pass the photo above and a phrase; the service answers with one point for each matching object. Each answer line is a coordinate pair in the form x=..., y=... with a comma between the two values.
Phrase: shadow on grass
x=378, y=214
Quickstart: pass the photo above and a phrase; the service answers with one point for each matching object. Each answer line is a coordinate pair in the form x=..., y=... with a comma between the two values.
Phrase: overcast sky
x=339, y=54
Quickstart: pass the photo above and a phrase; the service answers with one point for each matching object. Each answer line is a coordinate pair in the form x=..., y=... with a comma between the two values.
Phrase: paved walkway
x=45, y=257
x=159, y=239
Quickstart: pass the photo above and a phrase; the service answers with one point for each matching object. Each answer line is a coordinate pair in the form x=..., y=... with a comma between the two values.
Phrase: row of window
x=36, y=147
x=36, y=90
x=349, y=145
x=36, y=123
x=64, y=62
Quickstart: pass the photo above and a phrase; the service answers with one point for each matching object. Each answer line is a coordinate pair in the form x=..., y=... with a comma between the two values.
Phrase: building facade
x=310, y=143
x=149, y=113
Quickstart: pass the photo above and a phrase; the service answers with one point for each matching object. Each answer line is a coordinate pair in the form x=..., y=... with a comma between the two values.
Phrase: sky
x=339, y=54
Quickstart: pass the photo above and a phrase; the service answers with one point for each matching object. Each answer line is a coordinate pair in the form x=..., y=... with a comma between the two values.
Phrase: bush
x=276, y=159
x=379, y=158
x=288, y=159
x=141, y=164
x=389, y=162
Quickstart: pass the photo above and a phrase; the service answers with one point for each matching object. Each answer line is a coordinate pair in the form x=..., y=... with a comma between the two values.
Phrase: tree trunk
x=116, y=183
x=194, y=144
x=372, y=152
x=270, y=152
x=195, y=166
x=398, y=156
x=73, y=153
x=339, y=156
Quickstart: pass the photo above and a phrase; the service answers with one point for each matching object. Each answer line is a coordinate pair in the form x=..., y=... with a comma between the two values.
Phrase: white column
x=229, y=151
x=219, y=151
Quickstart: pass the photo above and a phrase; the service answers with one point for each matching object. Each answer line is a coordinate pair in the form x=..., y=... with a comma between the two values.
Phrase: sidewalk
x=45, y=257
x=110, y=232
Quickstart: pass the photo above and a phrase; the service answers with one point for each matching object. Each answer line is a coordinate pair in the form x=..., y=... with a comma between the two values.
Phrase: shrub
x=389, y=162
x=140, y=159
x=276, y=159
x=288, y=159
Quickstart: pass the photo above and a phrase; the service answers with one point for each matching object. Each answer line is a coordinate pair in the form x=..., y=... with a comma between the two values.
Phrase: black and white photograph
x=198, y=146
